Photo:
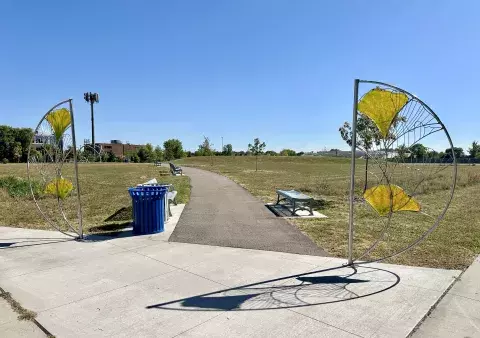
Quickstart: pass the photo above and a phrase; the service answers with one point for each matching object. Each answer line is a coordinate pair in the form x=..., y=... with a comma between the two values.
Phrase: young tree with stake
x=256, y=149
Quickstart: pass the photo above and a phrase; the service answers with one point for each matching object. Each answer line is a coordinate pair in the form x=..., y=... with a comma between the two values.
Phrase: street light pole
x=92, y=98
x=93, y=125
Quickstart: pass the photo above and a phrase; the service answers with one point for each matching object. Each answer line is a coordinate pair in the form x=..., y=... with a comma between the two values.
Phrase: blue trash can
x=148, y=209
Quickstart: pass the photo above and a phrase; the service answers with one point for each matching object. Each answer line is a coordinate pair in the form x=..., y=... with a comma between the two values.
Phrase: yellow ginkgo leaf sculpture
x=59, y=187
x=384, y=198
x=381, y=106
x=59, y=120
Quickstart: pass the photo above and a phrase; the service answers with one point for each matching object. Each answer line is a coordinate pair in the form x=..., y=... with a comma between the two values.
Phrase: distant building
x=117, y=148
x=390, y=153
x=40, y=140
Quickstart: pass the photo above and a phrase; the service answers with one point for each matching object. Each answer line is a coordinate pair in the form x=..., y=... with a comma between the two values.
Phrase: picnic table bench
x=298, y=200
x=175, y=170
x=157, y=164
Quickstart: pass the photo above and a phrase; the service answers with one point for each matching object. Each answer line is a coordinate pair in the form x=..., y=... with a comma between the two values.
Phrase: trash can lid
x=148, y=191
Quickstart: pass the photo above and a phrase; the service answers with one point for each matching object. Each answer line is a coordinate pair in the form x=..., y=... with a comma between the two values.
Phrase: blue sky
x=279, y=70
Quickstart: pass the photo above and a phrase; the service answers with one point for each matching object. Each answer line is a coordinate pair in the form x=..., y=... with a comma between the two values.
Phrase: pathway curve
x=222, y=213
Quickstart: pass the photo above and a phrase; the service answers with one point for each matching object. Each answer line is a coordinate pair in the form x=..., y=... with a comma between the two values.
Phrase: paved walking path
x=458, y=313
x=222, y=213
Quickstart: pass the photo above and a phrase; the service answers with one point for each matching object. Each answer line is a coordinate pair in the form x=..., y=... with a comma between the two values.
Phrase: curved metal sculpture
x=87, y=153
x=53, y=171
x=390, y=128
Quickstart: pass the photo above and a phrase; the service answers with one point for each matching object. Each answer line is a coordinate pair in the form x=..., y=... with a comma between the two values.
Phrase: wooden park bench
x=157, y=164
x=175, y=170
x=298, y=200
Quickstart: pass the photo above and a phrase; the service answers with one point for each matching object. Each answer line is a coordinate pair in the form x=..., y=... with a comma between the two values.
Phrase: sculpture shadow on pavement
x=329, y=285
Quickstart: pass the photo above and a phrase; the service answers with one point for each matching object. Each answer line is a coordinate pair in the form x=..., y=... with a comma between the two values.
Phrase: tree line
x=206, y=149
x=368, y=138
x=14, y=144
x=172, y=149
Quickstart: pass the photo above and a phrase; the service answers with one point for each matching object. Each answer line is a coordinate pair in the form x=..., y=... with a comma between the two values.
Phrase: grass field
x=103, y=191
x=453, y=245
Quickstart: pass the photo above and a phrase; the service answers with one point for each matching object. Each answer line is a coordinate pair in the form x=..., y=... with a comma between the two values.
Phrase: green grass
x=104, y=191
x=452, y=245
x=20, y=187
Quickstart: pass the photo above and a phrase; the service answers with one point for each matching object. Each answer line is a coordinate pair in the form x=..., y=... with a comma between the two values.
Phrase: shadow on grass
x=321, y=204
x=111, y=230
x=122, y=214
x=300, y=290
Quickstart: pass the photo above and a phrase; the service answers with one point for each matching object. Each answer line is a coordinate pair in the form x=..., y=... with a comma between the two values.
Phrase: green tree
x=432, y=154
x=111, y=157
x=17, y=152
x=457, y=150
x=271, y=153
x=24, y=136
x=418, y=151
x=173, y=149
x=142, y=155
x=227, y=150
x=205, y=149
x=149, y=152
x=134, y=158
x=368, y=136
x=14, y=143
x=287, y=152
x=146, y=154
x=474, y=150
x=7, y=140
x=158, y=153
x=403, y=151
x=256, y=149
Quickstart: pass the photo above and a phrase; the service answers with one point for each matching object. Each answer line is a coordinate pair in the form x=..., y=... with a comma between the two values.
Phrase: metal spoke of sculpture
x=52, y=166
x=87, y=153
x=406, y=184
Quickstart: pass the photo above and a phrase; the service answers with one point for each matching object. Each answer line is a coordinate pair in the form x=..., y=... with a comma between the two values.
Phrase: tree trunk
x=366, y=174
x=256, y=163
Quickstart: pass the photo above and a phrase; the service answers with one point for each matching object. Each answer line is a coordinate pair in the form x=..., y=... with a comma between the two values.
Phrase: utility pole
x=92, y=98
x=222, y=144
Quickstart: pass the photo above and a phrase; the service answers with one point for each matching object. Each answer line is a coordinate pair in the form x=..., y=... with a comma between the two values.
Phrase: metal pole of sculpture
x=352, y=177
x=80, y=215
x=390, y=126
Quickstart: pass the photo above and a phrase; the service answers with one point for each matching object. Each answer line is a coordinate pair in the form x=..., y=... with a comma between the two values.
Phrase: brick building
x=117, y=148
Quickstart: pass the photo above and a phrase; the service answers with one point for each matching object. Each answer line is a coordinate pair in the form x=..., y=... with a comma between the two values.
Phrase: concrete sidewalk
x=145, y=286
x=221, y=212
x=458, y=313
x=11, y=327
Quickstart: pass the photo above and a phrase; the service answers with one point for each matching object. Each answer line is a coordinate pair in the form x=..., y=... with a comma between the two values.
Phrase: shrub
x=19, y=187
x=5, y=161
